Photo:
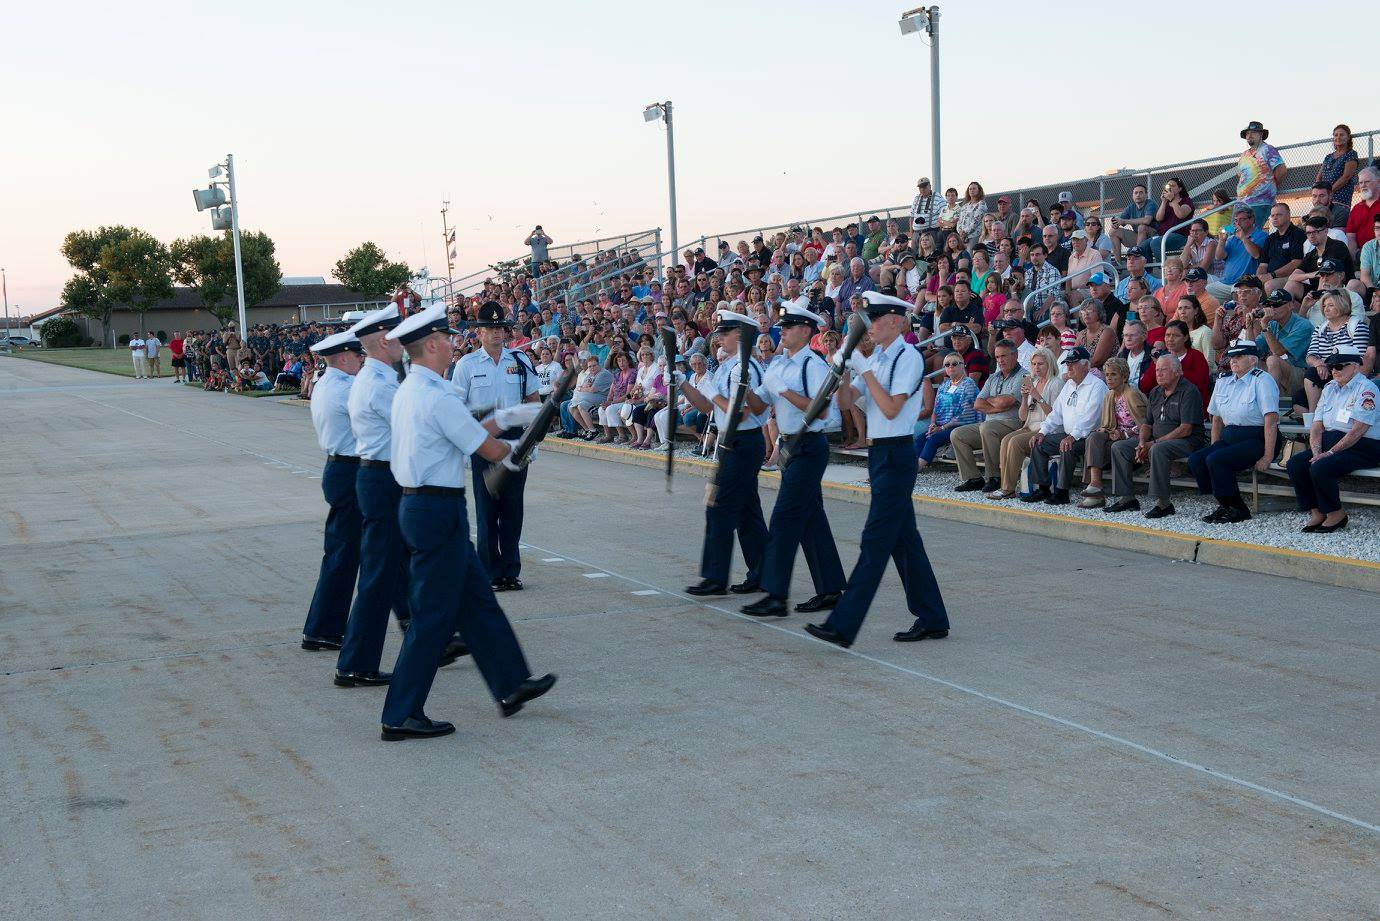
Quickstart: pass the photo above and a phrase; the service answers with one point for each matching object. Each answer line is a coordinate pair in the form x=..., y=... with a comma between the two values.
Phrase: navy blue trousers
x=736, y=507
x=1316, y=485
x=498, y=521
x=891, y=532
x=1215, y=467
x=448, y=589
x=382, y=571
x=335, y=586
x=798, y=520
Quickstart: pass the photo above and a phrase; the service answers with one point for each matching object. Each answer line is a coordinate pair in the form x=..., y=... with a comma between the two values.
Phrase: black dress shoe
x=991, y=484
x=1040, y=494
x=823, y=602
x=917, y=633
x=1123, y=505
x=455, y=649
x=500, y=584
x=1058, y=497
x=514, y=583
x=828, y=634
x=1235, y=514
x=415, y=727
x=766, y=607
x=1330, y=528
x=705, y=587
x=972, y=485
x=1216, y=516
x=403, y=625
x=1161, y=511
x=361, y=679
x=530, y=689
x=321, y=642
x=745, y=588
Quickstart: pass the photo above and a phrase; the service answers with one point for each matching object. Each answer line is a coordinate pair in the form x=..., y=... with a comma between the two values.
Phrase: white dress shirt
x=1078, y=410
x=485, y=384
x=900, y=370
x=433, y=432
x=371, y=409
x=1244, y=400
x=785, y=373
x=330, y=412
x=722, y=383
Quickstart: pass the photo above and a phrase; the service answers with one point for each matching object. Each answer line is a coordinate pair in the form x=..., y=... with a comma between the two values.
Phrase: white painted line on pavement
x=1009, y=704
x=554, y=559
x=648, y=591
x=597, y=575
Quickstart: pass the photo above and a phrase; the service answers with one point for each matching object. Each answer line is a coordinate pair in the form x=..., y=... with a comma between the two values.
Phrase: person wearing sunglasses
x=953, y=407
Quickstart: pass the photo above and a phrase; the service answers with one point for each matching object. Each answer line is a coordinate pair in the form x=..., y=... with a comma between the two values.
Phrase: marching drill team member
x=798, y=518
x=736, y=505
x=890, y=377
x=1345, y=436
x=330, y=413
x=490, y=378
x=1245, y=426
x=433, y=432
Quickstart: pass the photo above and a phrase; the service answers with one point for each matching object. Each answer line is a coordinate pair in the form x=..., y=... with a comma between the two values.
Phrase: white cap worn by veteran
x=377, y=321
x=422, y=324
x=337, y=343
x=729, y=319
x=793, y=313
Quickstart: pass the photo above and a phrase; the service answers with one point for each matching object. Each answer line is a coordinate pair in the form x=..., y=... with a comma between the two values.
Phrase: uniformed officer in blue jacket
x=1345, y=436
x=890, y=378
x=330, y=414
x=433, y=433
x=797, y=519
x=735, y=505
x=1245, y=428
x=490, y=378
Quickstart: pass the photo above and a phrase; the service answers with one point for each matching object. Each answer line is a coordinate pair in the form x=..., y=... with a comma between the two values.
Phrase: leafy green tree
x=366, y=269
x=60, y=332
x=115, y=266
x=207, y=266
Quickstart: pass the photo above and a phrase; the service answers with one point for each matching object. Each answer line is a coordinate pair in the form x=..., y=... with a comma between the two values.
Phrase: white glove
x=858, y=363
x=678, y=378
x=508, y=458
x=521, y=415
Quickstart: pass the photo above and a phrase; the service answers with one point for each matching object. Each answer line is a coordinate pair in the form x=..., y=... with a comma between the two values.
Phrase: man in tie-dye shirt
x=1259, y=172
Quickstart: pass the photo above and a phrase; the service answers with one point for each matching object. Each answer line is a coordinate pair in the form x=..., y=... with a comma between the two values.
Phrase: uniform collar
x=378, y=365
x=335, y=372
x=424, y=373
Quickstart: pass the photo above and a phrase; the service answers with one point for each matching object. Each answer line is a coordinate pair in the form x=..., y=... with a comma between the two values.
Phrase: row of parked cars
x=19, y=342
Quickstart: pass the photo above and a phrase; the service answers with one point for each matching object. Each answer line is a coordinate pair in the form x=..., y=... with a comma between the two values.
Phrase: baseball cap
x=1279, y=296
x=1195, y=274
x=1066, y=197
x=1096, y=278
x=1077, y=353
x=1330, y=266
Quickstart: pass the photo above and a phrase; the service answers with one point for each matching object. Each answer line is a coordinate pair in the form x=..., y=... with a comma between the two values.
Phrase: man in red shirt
x=1360, y=224
x=177, y=345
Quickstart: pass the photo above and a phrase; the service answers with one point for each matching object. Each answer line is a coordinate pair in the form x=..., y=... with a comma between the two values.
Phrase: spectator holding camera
x=1280, y=334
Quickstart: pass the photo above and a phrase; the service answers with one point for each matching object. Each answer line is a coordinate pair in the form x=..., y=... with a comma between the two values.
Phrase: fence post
x=657, y=238
x=1101, y=195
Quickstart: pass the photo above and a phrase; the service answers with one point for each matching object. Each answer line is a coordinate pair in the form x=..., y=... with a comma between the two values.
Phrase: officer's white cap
x=794, y=313
x=422, y=324
x=337, y=342
x=728, y=318
x=377, y=321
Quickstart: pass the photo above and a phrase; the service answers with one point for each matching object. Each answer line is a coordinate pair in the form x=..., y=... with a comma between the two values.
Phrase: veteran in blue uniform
x=797, y=519
x=1245, y=428
x=330, y=414
x=433, y=433
x=735, y=505
x=489, y=378
x=890, y=377
x=1345, y=436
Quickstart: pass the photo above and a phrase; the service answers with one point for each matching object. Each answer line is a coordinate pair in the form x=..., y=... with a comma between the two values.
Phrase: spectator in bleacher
x=1306, y=278
x=1095, y=335
x=924, y=209
x=1190, y=312
x=1368, y=267
x=609, y=413
x=857, y=281
x=1344, y=436
x=953, y=407
x=1100, y=291
x=1063, y=432
x=963, y=343
x=1173, y=287
x=1083, y=259
x=1060, y=321
x=1039, y=391
x=1134, y=350
x=970, y=212
x=1245, y=427
x=1132, y=227
x=1365, y=214
x=1135, y=271
x=999, y=402
x=1280, y=334
x=1338, y=173
x=1042, y=275
x=1259, y=172
x=1175, y=207
x=965, y=308
x=1193, y=364
x=1331, y=277
x=1173, y=430
x=1200, y=249
x=1240, y=250
x=1123, y=413
x=872, y=241
x=1283, y=249
x=1341, y=331
x=591, y=388
x=1056, y=254
x=1148, y=311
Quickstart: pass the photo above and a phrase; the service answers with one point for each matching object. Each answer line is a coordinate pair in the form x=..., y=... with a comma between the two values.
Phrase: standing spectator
x=970, y=212
x=1338, y=172
x=1365, y=214
x=1344, y=436
x=140, y=356
x=999, y=402
x=1123, y=413
x=539, y=242
x=232, y=344
x=924, y=209
x=953, y=407
x=177, y=346
x=1075, y=414
x=154, y=348
x=1173, y=431
x=1259, y=172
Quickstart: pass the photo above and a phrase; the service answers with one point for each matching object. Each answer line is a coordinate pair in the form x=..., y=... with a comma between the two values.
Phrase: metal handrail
x=1116, y=279
x=1164, y=237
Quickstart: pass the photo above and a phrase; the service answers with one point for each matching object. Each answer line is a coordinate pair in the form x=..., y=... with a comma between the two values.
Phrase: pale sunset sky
x=352, y=121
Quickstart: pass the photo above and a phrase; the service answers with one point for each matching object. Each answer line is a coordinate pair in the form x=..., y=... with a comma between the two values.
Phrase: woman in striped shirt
x=1337, y=332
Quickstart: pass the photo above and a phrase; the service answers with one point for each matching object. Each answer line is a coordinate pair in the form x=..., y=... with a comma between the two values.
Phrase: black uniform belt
x=366, y=462
x=456, y=491
x=893, y=440
x=343, y=458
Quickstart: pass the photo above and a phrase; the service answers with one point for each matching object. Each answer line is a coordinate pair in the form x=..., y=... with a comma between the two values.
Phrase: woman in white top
x=1039, y=390
x=548, y=370
x=834, y=284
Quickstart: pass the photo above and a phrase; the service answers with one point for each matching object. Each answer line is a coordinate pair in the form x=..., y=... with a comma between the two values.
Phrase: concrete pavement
x=1105, y=735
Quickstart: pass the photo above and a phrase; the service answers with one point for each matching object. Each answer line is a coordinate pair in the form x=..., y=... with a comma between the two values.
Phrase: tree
x=366, y=269
x=207, y=266
x=115, y=266
x=60, y=332
x=508, y=270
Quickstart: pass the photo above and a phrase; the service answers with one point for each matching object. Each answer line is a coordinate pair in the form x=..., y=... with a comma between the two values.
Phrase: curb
x=1272, y=561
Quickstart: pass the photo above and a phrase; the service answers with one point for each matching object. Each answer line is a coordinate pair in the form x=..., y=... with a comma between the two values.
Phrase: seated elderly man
x=1174, y=430
x=999, y=400
x=1076, y=412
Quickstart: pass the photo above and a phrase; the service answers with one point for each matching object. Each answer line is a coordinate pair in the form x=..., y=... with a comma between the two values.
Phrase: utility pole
x=235, y=236
x=5, y=285
x=923, y=19
x=448, y=236
x=662, y=111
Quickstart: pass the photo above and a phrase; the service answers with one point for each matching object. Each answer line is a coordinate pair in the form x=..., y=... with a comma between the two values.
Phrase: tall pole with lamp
x=213, y=197
x=5, y=286
x=926, y=20
x=653, y=112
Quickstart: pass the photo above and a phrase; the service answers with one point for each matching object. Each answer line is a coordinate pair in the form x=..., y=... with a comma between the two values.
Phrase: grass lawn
x=108, y=361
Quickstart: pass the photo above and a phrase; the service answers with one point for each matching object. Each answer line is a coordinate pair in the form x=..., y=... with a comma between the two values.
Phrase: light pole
x=212, y=197
x=448, y=235
x=5, y=286
x=926, y=19
x=662, y=110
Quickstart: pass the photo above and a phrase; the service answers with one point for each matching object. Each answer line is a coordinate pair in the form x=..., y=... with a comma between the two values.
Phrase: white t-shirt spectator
x=546, y=377
x=151, y=346
x=137, y=348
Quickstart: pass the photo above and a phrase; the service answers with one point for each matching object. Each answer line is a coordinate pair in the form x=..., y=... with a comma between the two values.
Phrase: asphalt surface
x=1104, y=735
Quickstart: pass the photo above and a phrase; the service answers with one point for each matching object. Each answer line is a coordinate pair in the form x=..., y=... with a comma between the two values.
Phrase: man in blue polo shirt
x=1241, y=251
x=1283, y=337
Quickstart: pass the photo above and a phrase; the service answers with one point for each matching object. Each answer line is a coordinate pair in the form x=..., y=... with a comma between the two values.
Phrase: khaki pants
x=141, y=365
x=1015, y=448
x=988, y=435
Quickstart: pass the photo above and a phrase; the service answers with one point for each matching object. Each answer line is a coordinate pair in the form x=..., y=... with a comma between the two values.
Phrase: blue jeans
x=567, y=420
x=927, y=446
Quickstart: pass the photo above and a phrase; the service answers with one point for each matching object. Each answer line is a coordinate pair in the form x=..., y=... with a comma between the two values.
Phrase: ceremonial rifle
x=497, y=474
x=668, y=345
x=746, y=340
x=820, y=404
